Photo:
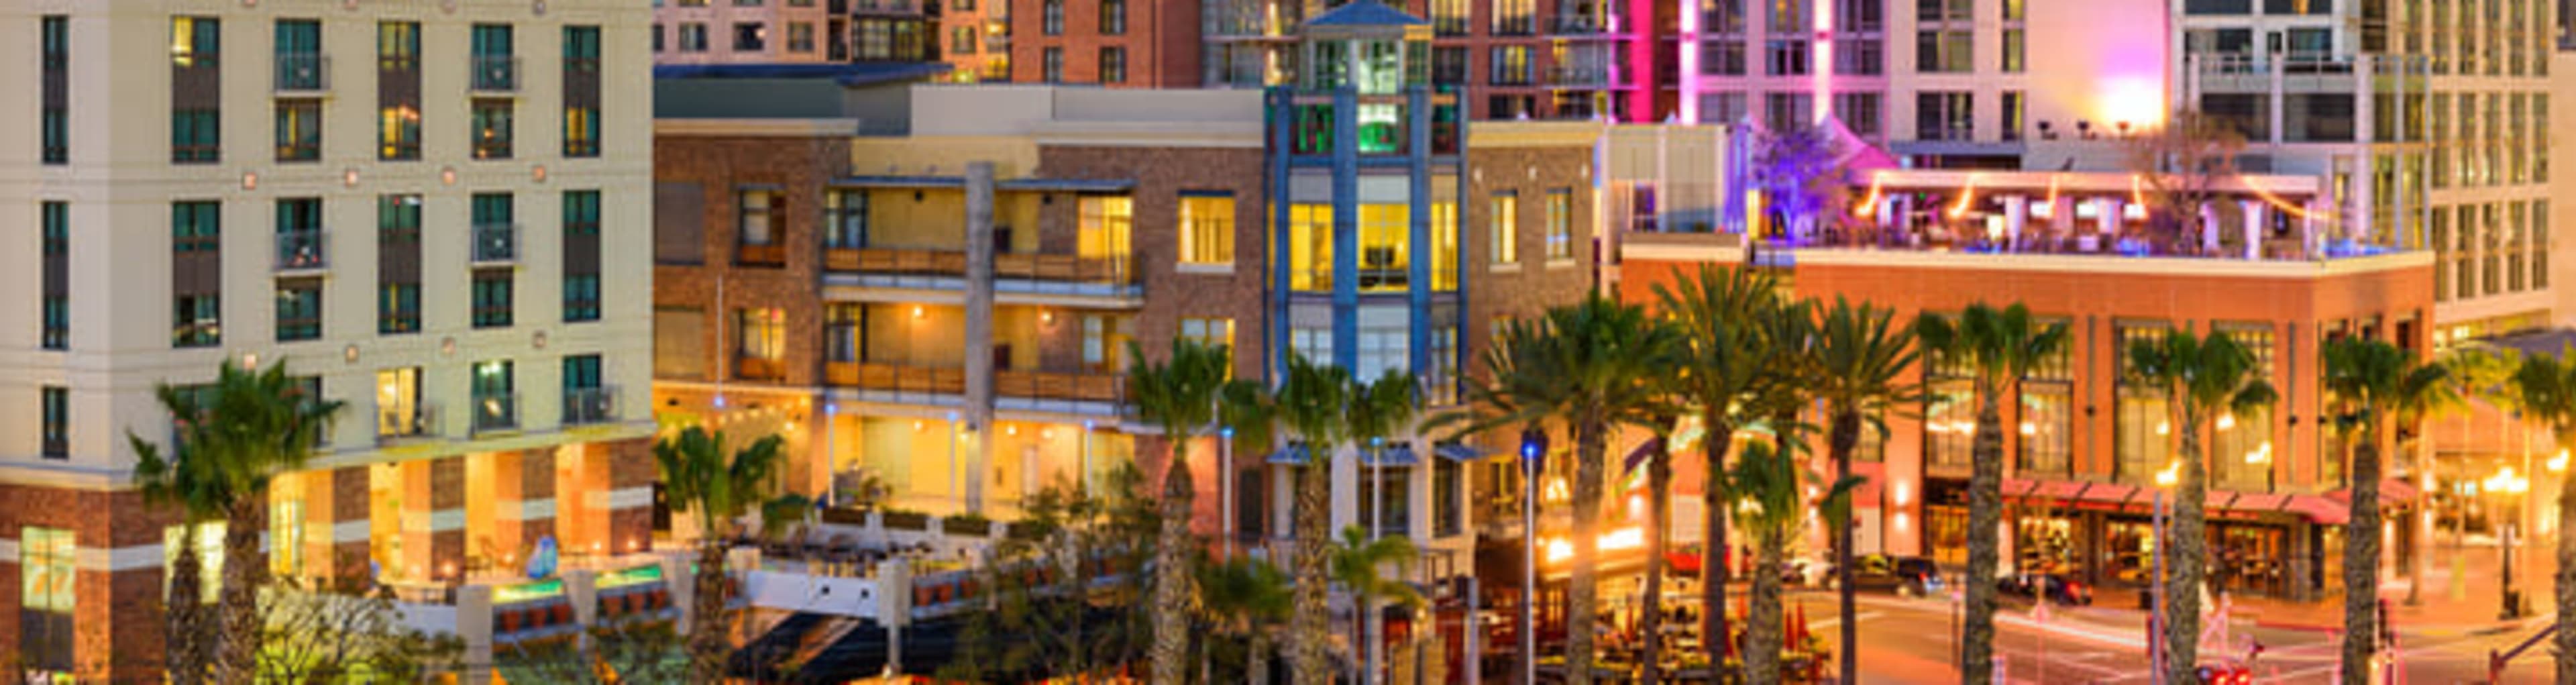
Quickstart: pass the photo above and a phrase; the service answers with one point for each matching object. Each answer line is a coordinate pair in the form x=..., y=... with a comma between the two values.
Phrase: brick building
x=794, y=31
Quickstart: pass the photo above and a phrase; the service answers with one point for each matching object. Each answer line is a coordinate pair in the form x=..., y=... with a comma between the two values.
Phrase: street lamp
x=2511, y=485
x=1533, y=457
x=2165, y=480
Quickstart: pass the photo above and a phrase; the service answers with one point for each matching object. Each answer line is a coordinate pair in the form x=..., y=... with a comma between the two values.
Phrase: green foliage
x=1043, y=617
x=1771, y=496
x=635, y=652
x=2201, y=373
x=1359, y=563
x=2373, y=381
x=232, y=439
x=344, y=634
x=720, y=487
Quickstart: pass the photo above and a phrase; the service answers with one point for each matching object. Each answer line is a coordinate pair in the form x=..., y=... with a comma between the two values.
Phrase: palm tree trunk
x=2361, y=565
x=1985, y=549
x=1713, y=571
x=244, y=570
x=1762, y=632
x=1309, y=626
x=1171, y=571
x=1846, y=436
x=1659, y=488
x=706, y=644
x=2188, y=541
x=2566, y=638
x=1583, y=596
x=187, y=637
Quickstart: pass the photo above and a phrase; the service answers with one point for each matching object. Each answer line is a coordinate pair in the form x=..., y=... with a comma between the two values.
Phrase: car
x=1904, y=576
x=2224, y=673
x=2059, y=589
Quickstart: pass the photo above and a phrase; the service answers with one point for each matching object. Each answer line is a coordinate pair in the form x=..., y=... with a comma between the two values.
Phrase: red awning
x=2391, y=492
x=2320, y=510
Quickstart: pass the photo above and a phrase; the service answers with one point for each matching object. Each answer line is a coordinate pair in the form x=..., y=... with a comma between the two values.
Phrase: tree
x=1772, y=508
x=1044, y=618
x=1727, y=361
x=1311, y=406
x=720, y=488
x=2545, y=386
x=232, y=439
x=2181, y=167
x=1359, y=561
x=343, y=633
x=608, y=652
x=1997, y=348
x=1246, y=598
x=2374, y=385
x=1593, y=365
x=1179, y=396
x=1379, y=411
x=1861, y=360
x=1800, y=173
x=1659, y=517
x=2200, y=377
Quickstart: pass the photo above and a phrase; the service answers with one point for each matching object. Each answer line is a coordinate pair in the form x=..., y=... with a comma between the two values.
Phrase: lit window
x=1207, y=229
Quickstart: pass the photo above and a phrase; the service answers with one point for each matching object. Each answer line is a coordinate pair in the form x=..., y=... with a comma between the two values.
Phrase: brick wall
x=797, y=166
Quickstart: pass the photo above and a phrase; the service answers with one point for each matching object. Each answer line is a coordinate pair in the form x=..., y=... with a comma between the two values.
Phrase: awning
x=1400, y=455
x=1457, y=452
x=2319, y=510
x=1292, y=455
x=2392, y=491
x=1637, y=457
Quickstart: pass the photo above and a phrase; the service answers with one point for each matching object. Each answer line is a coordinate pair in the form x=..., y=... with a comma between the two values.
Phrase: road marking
x=1830, y=622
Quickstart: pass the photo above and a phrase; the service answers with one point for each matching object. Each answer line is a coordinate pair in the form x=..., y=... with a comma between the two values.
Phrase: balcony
x=916, y=382
x=1014, y=273
x=771, y=255
x=1108, y=388
x=1583, y=25
x=496, y=244
x=395, y=424
x=759, y=369
x=882, y=7
x=1580, y=76
x=300, y=252
x=589, y=406
x=496, y=74
x=302, y=73
x=496, y=412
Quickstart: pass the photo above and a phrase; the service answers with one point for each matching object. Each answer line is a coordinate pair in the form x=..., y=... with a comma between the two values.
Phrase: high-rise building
x=425, y=211
x=795, y=31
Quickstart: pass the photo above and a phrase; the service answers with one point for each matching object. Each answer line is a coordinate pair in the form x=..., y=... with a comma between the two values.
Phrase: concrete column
x=629, y=503
x=447, y=543
x=337, y=530
x=474, y=627
x=979, y=331
x=2257, y=216
x=2109, y=221
x=523, y=511
x=2308, y=233
x=2016, y=215
x=2061, y=216
x=2209, y=228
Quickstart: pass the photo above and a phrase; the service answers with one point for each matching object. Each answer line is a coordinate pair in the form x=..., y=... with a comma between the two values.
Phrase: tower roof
x=1365, y=13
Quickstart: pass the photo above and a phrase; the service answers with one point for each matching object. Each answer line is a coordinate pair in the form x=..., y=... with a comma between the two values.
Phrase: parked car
x=2225, y=673
x=2030, y=587
x=1903, y=576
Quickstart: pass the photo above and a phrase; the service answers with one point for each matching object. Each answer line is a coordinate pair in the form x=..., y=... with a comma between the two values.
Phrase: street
x=1911, y=641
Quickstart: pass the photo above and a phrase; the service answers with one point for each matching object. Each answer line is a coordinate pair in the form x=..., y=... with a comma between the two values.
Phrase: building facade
x=424, y=207
x=794, y=31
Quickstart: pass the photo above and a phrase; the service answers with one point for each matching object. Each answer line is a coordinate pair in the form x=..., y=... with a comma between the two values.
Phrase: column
x=434, y=518
x=978, y=436
x=523, y=508
x=2061, y=216
x=2016, y=214
x=2257, y=215
x=628, y=501
x=2208, y=228
x=335, y=531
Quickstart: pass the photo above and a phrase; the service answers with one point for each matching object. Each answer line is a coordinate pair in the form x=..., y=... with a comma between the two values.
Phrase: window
x=1944, y=115
x=1104, y=341
x=679, y=345
x=299, y=309
x=1949, y=411
x=285, y=534
x=1113, y=17
x=750, y=36
x=492, y=298
x=1860, y=57
x=2143, y=433
x=1386, y=499
x=800, y=36
x=1505, y=231
x=2047, y=412
x=2240, y=448
x=496, y=231
x=299, y=130
x=496, y=398
x=2015, y=116
x=760, y=343
x=196, y=245
x=1104, y=231
x=398, y=133
x=1449, y=17
x=1444, y=246
x=1212, y=332
x=1938, y=51
x=1786, y=57
x=397, y=45
x=1052, y=65
x=1514, y=17
x=585, y=400
x=1310, y=247
x=581, y=101
x=49, y=566
x=1788, y=111
x=398, y=260
x=693, y=37
x=841, y=325
x=1113, y=65
x=1207, y=228
x=1385, y=255
x=196, y=136
x=57, y=430
x=1860, y=111
x=1312, y=344
x=1511, y=66
x=56, y=219
x=581, y=282
x=496, y=64
x=845, y=219
x=296, y=53
x=56, y=51
x=962, y=40
x=1051, y=17
x=194, y=41
x=657, y=38
x=492, y=128
x=1560, y=224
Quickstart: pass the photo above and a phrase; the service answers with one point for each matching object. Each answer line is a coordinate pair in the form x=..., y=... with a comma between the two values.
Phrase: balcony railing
x=301, y=251
x=891, y=377
x=496, y=243
x=304, y=72
x=1035, y=267
x=884, y=7
x=398, y=423
x=586, y=406
x=1580, y=25
x=771, y=254
x=1585, y=76
x=496, y=73
x=758, y=368
x=1086, y=387
x=496, y=412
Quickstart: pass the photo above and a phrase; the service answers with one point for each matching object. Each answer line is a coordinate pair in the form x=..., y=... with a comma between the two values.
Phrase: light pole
x=1533, y=456
x=2511, y=486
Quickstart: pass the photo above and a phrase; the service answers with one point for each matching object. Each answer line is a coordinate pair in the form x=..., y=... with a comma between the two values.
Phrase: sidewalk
x=2474, y=610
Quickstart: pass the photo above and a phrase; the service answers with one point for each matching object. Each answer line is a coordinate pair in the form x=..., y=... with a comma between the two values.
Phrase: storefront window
x=1949, y=412
x=2241, y=442
x=2047, y=422
x=2143, y=434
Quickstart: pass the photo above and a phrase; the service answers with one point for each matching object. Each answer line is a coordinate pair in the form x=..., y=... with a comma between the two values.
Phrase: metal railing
x=496, y=73
x=498, y=412
x=934, y=262
x=907, y=379
x=1088, y=387
x=1579, y=75
x=396, y=423
x=302, y=250
x=302, y=72
x=1580, y=25
x=586, y=406
x=496, y=243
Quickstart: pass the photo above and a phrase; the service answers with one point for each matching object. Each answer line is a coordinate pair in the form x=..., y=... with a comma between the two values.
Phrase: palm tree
x=2373, y=383
x=1771, y=488
x=1997, y=347
x=720, y=488
x=1861, y=356
x=2200, y=377
x=232, y=440
x=1179, y=396
x=1378, y=412
x=1592, y=365
x=1726, y=362
x=1311, y=404
x=1358, y=563
x=1659, y=515
x=1249, y=598
x=2545, y=386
